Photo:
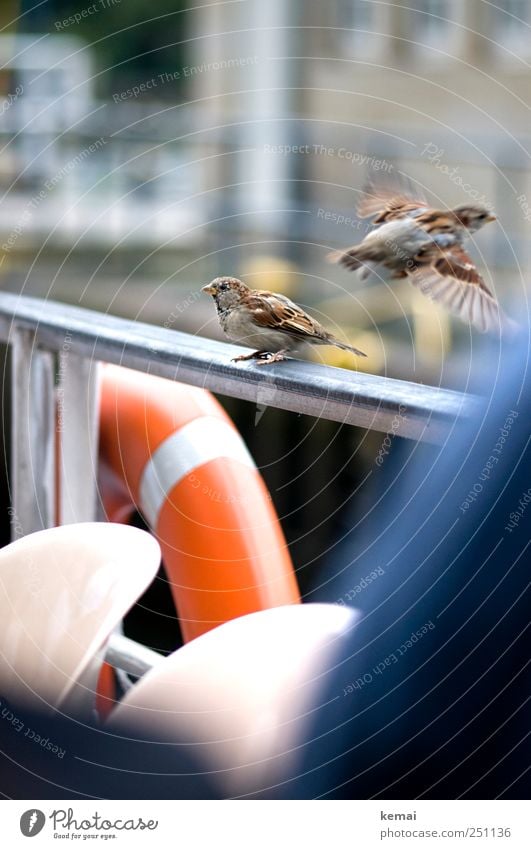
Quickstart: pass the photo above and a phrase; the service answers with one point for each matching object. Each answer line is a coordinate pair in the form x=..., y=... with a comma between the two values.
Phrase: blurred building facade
x=437, y=90
x=253, y=166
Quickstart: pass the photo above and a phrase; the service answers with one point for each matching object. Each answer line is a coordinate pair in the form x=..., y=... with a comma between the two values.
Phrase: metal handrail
x=56, y=349
x=370, y=401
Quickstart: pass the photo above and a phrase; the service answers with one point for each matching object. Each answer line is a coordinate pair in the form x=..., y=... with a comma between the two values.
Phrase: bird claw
x=263, y=358
x=241, y=357
x=269, y=358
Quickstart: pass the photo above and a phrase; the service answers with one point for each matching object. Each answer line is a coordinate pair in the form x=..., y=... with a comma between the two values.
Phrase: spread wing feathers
x=449, y=277
x=279, y=313
x=455, y=262
x=389, y=200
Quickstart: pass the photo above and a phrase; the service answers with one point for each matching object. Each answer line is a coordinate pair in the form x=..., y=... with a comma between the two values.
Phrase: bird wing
x=391, y=245
x=448, y=276
x=388, y=201
x=279, y=313
x=348, y=258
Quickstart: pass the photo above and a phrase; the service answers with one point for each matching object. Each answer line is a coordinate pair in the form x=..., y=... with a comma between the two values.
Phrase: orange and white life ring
x=174, y=453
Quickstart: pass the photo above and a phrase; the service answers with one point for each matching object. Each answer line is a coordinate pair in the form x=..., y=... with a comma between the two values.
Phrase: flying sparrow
x=425, y=245
x=271, y=323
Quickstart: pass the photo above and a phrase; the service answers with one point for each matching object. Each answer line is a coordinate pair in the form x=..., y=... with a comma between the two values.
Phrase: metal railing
x=56, y=350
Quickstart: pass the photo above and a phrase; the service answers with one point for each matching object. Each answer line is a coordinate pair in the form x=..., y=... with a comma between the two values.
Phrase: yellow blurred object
x=368, y=342
x=376, y=303
x=9, y=14
x=431, y=328
x=271, y=272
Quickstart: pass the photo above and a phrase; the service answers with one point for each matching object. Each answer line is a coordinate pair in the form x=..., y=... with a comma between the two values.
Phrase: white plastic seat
x=62, y=592
x=242, y=691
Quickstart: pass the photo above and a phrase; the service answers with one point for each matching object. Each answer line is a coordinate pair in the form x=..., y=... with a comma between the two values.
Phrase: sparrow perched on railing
x=425, y=245
x=271, y=323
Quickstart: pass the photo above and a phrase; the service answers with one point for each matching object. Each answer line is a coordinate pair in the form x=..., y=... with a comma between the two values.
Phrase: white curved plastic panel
x=62, y=592
x=242, y=691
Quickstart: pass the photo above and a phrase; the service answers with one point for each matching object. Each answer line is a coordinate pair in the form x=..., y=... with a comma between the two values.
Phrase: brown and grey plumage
x=269, y=322
x=411, y=240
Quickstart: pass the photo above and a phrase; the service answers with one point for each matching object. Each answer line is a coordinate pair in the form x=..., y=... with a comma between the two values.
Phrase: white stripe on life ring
x=201, y=440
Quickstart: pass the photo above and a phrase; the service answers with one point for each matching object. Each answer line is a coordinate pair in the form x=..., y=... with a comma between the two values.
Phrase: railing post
x=33, y=435
x=77, y=425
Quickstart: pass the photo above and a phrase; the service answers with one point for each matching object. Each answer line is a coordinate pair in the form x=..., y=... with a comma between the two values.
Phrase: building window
x=364, y=26
x=511, y=26
x=433, y=22
x=436, y=27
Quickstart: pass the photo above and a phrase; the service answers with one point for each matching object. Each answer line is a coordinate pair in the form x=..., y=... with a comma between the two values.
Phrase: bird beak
x=209, y=289
x=491, y=217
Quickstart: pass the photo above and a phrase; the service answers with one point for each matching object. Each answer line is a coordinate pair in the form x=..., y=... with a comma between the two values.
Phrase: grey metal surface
x=33, y=435
x=369, y=401
x=78, y=426
x=130, y=656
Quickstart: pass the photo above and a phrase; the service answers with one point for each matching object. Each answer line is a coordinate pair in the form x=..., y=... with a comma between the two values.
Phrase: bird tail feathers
x=346, y=258
x=331, y=340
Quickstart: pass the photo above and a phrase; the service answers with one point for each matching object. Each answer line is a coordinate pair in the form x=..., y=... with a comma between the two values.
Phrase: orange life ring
x=176, y=455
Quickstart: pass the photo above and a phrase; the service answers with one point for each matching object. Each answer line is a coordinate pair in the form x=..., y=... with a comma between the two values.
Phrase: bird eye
x=482, y=215
x=224, y=286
